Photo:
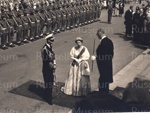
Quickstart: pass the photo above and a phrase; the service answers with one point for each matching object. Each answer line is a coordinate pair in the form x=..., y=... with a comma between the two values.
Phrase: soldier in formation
x=24, y=21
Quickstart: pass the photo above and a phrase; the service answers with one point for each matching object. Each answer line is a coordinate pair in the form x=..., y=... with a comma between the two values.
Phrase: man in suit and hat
x=49, y=66
x=105, y=53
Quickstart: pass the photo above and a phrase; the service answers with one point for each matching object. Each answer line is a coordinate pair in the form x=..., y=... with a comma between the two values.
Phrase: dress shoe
x=50, y=102
x=4, y=47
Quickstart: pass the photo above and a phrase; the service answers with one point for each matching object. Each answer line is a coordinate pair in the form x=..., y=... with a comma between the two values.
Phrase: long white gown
x=78, y=80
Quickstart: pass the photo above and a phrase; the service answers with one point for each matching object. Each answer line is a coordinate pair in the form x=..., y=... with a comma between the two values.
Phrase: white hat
x=50, y=36
x=78, y=39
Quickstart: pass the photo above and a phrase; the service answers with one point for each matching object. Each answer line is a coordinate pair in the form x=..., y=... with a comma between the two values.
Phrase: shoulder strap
x=80, y=54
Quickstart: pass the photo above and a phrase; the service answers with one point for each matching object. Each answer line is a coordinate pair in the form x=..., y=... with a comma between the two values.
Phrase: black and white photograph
x=74, y=56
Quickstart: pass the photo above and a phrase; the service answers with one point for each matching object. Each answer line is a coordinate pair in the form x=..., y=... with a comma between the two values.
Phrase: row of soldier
x=138, y=24
x=28, y=23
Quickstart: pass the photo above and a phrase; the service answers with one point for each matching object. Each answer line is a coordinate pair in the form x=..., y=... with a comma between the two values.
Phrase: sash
x=79, y=55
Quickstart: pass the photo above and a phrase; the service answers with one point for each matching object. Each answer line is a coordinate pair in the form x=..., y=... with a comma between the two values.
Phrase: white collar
x=48, y=45
x=102, y=38
x=130, y=10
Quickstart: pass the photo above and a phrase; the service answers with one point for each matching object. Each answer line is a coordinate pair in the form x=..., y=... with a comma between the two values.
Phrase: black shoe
x=19, y=43
x=50, y=102
x=11, y=45
x=25, y=41
x=4, y=47
x=31, y=39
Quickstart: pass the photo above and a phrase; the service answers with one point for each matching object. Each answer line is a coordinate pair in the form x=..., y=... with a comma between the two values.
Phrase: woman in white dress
x=78, y=80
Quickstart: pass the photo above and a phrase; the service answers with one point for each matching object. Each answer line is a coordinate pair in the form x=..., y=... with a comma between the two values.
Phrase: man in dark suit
x=105, y=53
x=129, y=21
x=49, y=66
x=110, y=11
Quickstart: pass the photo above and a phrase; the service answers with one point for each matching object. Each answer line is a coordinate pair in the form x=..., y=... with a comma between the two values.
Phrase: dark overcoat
x=105, y=53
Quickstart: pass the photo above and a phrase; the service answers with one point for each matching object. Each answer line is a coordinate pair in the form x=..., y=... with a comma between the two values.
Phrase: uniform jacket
x=48, y=57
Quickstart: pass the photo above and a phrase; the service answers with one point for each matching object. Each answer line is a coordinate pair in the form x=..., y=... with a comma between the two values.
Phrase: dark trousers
x=48, y=83
x=129, y=29
x=19, y=33
x=3, y=39
x=104, y=88
x=109, y=17
x=25, y=31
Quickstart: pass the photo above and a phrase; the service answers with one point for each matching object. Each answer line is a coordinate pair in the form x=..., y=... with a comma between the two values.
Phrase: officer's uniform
x=49, y=66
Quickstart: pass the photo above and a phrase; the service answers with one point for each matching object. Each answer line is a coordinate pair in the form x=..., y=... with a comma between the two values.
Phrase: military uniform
x=19, y=25
x=98, y=10
x=40, y=23
x=32, y=22
x=10, y=25
x=48, y=21
x=54, y=20
x=82, y=14
x=43, y=17
x=4, y=33
x=63, y=20
x=68, y=17
x=25, y=26
x=58, y=19
x=77, y=15
x=87, y=13
x=73, y=15
x=49, y=66
x=91, y=13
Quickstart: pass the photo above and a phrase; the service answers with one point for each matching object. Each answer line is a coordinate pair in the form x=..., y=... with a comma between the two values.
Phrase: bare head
x=100, y=33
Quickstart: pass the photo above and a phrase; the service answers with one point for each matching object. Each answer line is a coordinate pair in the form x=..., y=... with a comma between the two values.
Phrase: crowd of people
x=23, y=21
x=119, y=9
x=138, y=24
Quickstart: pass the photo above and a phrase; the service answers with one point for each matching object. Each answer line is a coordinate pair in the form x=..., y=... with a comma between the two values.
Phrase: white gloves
x=78, y=60
x=93, y=57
